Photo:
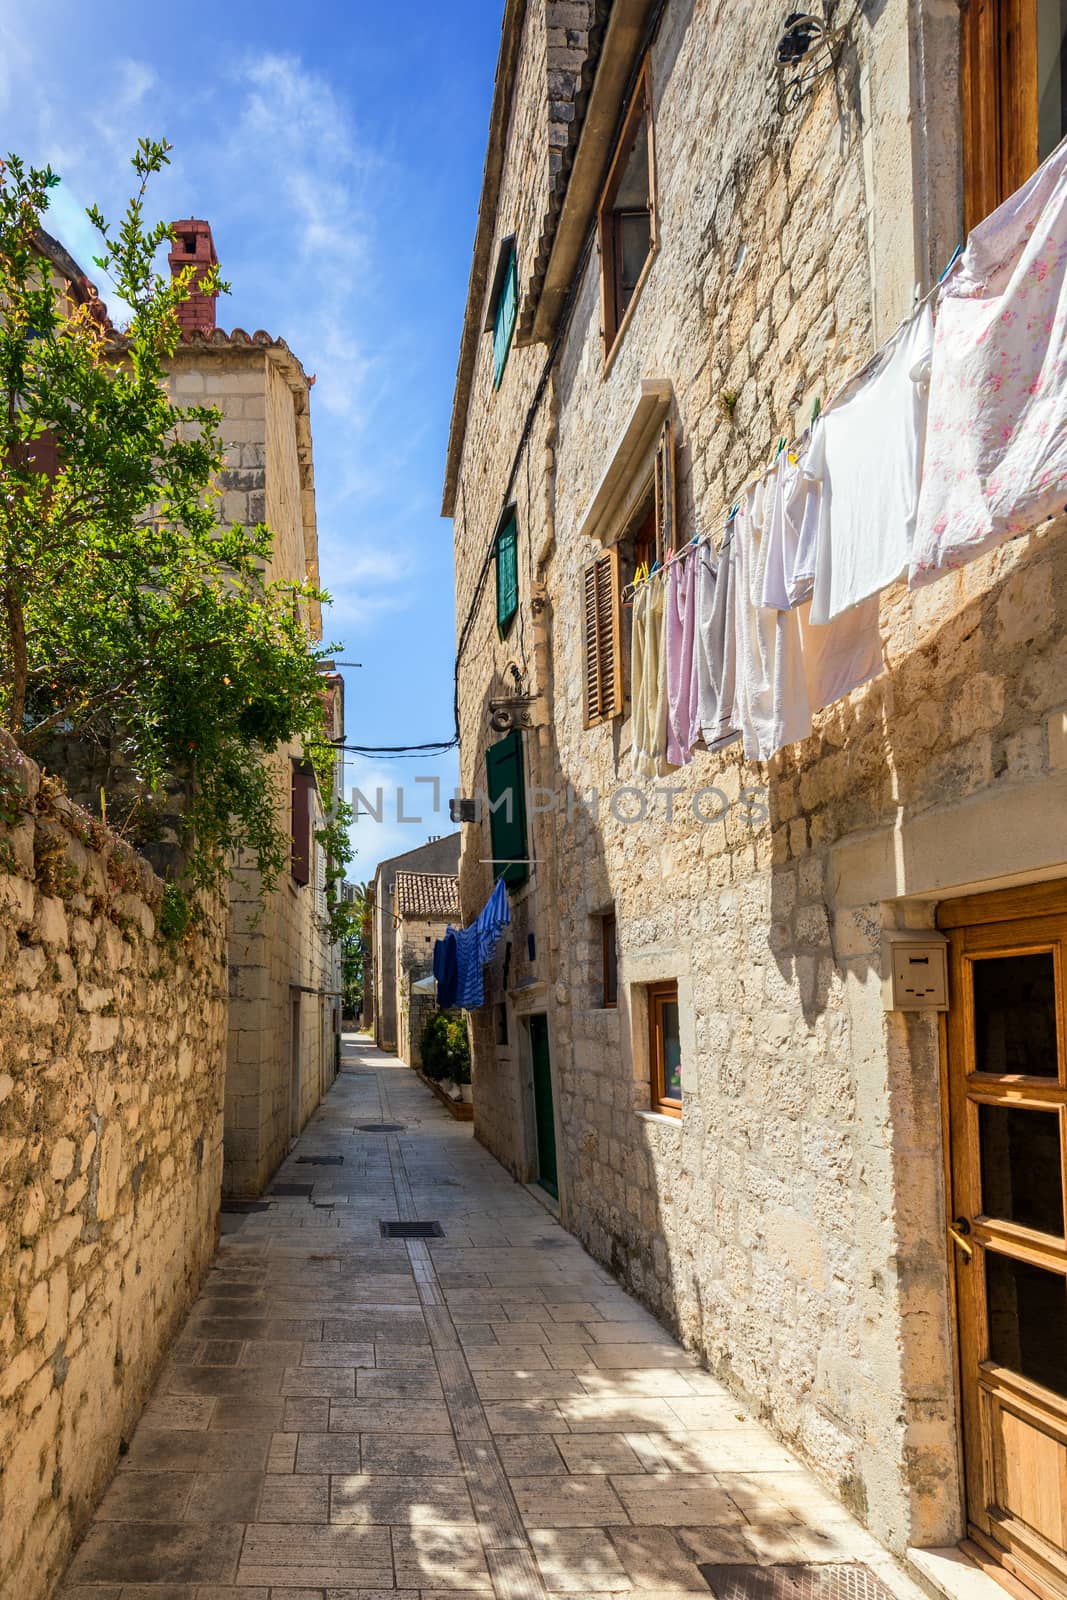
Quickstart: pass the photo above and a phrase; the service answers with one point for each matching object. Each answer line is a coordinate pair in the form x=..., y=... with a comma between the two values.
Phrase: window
x=501, y=1012
x=603, y=657
x=303, y=784
x=503, y=307
x=609, y=961
x=1014, y=95
x=627, y=219
x=507, y=574
x=665, y=1050
x=507, y=809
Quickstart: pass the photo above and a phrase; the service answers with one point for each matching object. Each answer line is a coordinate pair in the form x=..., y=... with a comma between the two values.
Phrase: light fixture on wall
x=806, y=51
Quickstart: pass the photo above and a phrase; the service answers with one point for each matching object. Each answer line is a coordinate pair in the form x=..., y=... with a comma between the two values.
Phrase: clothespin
x=734, y=509
x=952, y=262
x=816, y=410
x=780, y=447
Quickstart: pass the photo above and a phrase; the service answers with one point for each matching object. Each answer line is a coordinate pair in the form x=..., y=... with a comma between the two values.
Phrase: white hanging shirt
x=867, y=450
x=996, y=443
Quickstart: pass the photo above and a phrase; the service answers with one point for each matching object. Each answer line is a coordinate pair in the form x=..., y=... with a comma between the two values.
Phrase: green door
x=544, y=1115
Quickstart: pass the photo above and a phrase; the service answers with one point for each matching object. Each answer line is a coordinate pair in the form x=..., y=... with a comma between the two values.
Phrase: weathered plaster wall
x=111, y=1073
x=791, y=1225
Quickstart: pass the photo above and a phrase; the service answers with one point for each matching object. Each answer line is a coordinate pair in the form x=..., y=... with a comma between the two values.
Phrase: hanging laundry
x=787, y=667
x=866, y=449
x=494, y=917
x=446, y=969
x=715, y=654
x=996, y=447
x=771, y=695
x=680, y=647
x=649, y=682
x=789, y=567
x=473, y=947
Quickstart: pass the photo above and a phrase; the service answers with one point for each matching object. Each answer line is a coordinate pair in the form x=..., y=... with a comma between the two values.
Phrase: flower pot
x=466, y=1093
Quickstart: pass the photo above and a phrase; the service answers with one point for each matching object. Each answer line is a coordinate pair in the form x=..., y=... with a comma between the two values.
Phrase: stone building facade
x=792, y=1222
x=435, y=856
x=424, y=905
x=111, y=1099
x=285, y=977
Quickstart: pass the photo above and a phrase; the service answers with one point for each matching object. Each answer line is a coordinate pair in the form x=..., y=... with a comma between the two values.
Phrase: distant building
x=424, y=905
x=436, y=856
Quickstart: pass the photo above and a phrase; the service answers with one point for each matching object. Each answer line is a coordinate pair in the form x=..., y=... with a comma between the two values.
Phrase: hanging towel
x=680, y=648
x=714, y=654
x=867, y=449
x=771, y=702
x=996, y=444
x=494, y=917
x=446, y=970
x=649, y=720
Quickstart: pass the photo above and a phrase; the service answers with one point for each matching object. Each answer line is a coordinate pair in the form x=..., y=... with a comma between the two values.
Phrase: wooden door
x=1007, y=1070
x=544, y=1111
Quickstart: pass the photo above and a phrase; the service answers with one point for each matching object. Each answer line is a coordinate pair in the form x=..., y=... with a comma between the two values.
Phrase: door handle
x=956, y=1234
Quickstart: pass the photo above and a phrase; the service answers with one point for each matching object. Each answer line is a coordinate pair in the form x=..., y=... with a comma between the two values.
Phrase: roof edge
x=499, y=117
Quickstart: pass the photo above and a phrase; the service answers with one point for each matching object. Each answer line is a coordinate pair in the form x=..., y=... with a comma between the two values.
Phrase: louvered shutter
x=666, y=494
x=507, y=823
x=507, y=574
x=303, y=784
x=507, y=307
x=603, y=658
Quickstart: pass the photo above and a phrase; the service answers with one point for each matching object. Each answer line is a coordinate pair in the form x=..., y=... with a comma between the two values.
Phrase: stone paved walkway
x=488, y=1414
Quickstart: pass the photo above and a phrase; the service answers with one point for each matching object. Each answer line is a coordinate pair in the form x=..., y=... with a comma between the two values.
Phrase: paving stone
x=161, y=1449
x=412, y=1454
x=299, y=1556
x=435, y=1502
x=146, y=1496
x=185, y=1412
x=294, y=1499
x=598, y=1452
x=234, y=1415
x=157, y=1552
x=526, y=1416
x=660, y=1559
x=568, y=1502
x=224, y=1497
x=676, y=1500
x=439, y=1559
x=372, y=1416
x=252, y=1383
x=399, y=1383
x=319, y=1383
x=584, y=1562
x=328, y=1452
x=306, y=1416
x=336, y=1355
x=530, y=1457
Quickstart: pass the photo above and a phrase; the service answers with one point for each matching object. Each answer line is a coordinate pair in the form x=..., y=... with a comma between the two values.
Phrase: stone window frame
x=664, y=992
x=640, y=110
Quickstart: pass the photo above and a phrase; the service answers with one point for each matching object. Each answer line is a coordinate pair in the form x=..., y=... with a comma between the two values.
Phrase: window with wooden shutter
x=505, y=314
x=507, y=574
x=1014, y=96
x=626, y=215
x=303, y=782
x=603, y=655
x=666, y=494
x=506, y=791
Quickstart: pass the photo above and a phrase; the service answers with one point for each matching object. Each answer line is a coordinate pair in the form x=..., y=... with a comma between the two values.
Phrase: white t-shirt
x=867, y=449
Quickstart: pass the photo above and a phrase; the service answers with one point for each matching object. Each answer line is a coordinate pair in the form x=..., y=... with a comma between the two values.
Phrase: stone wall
x=791, y=1224
x=111, y=1077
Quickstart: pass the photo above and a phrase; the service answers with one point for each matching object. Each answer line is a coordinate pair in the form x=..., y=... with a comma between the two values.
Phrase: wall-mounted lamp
x=806, y=51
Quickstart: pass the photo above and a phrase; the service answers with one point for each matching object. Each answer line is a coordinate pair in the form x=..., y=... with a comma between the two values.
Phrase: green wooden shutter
x=507, y=575
x=507, y=823
x=504, y=317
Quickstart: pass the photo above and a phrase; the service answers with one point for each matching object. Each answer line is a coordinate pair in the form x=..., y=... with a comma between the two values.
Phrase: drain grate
x=411, y=1230
x=243, y=1208
x=380, y=1127
x=834, y=1580
x=320, y=1161
x=295, y=1190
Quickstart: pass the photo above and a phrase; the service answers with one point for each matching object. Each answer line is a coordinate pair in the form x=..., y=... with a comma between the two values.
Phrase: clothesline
x=782, y=619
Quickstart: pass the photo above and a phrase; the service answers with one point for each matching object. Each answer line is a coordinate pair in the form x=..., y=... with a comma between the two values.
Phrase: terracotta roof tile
x=427, y=894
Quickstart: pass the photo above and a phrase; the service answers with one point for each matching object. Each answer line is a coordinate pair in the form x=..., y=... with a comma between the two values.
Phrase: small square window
x=665, y=1048
x=627, y=214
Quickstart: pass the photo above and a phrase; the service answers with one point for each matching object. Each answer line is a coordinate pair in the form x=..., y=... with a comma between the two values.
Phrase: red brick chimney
x=194, y=246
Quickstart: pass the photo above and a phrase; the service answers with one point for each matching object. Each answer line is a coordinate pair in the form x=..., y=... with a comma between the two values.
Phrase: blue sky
x=336, y=150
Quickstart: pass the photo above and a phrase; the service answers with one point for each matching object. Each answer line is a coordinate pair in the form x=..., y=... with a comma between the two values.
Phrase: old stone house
x=285, y=983
x=438, y=856
x=424, y=905
x=848, y=1199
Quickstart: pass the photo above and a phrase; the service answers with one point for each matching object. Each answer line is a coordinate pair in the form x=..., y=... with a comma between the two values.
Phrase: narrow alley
x=482, y=1412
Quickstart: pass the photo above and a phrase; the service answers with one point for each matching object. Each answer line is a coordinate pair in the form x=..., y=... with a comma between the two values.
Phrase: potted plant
x=445, y=1054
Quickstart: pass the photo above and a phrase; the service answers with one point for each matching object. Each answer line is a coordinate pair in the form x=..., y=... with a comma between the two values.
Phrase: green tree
x=126, y=603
